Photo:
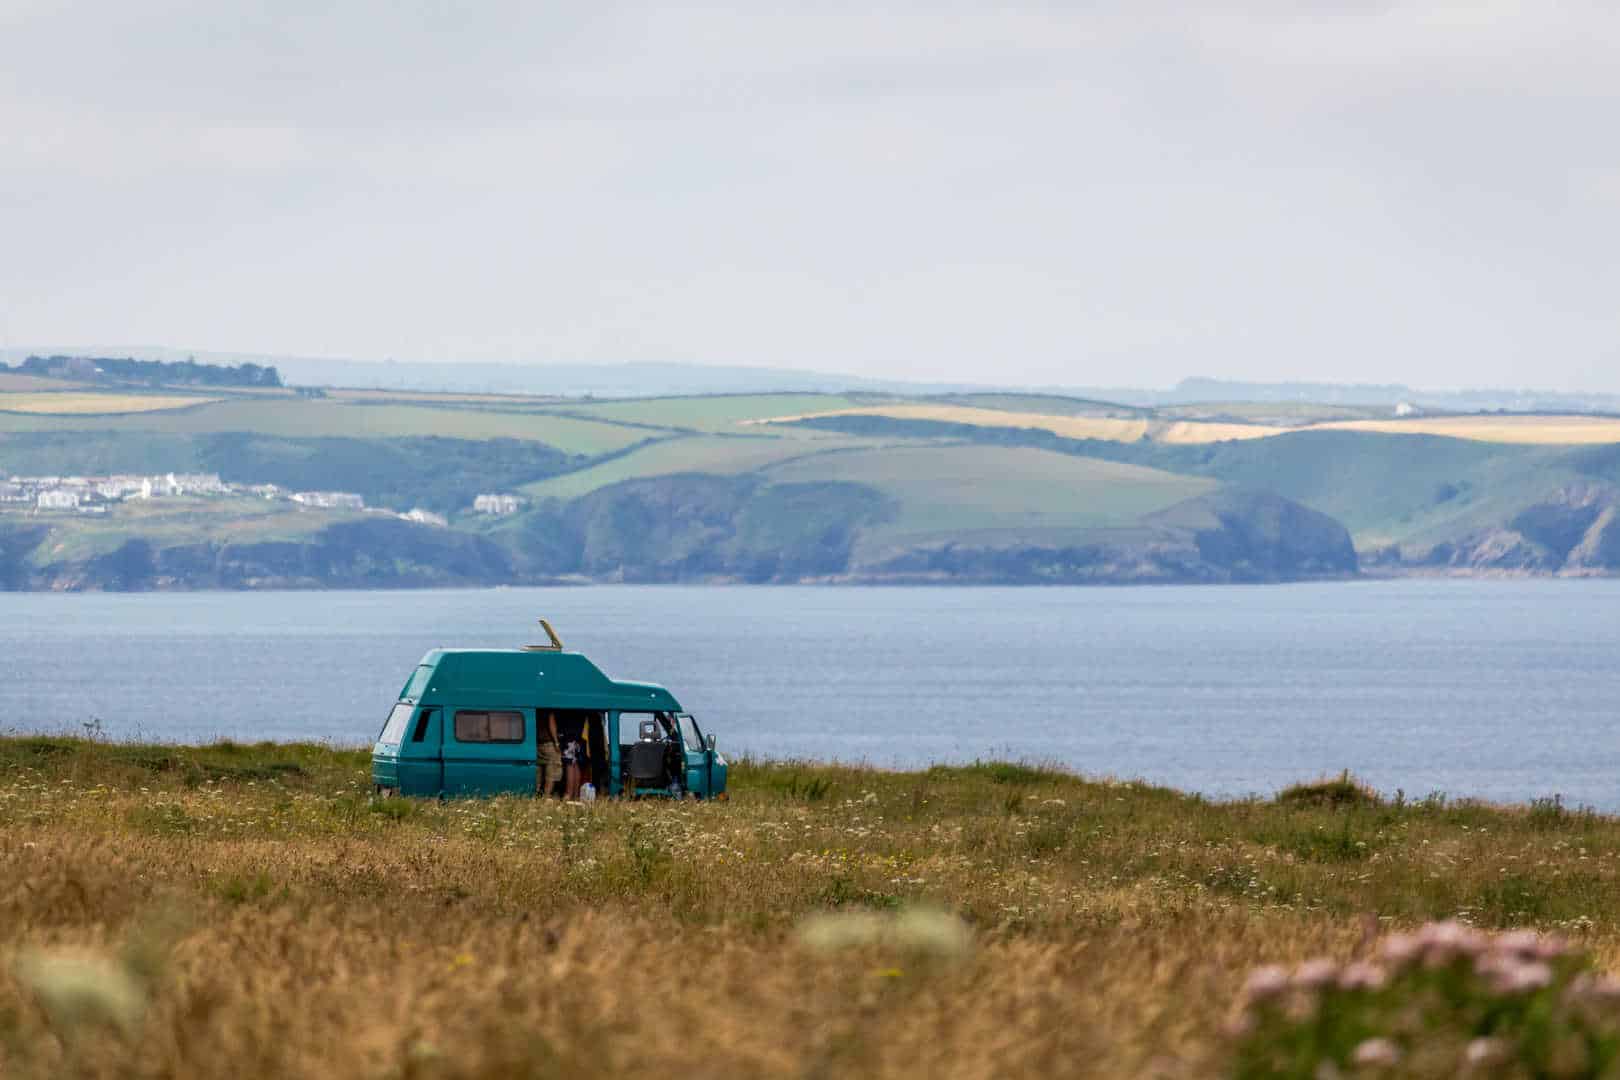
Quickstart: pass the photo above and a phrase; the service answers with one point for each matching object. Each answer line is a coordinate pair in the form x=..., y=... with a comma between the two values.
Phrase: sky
x=1052, y=194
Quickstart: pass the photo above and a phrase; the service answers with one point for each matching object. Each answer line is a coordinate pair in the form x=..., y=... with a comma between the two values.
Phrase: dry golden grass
x=1070, y=427
x=1540, y=430
x=73, y=403
x=180, y=911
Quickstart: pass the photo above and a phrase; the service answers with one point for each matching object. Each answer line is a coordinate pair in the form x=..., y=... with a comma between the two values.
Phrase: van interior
x=586, y=728
x=650, y=754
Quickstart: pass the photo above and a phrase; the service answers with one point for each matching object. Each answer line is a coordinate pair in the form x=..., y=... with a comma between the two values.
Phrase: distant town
x=97, y=494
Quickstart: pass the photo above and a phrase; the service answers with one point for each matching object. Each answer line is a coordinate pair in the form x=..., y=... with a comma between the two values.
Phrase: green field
x=1388, y=489
x=721, y=412
x=964, y=489
x=1392, y=488
x=1492, y=492
x=173, y=520
x=723, y=455
x=1043, y=405
x=294, y=417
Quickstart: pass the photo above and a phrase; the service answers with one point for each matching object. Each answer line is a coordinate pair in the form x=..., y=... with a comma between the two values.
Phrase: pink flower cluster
x=1499, y=965
x=1511, y=962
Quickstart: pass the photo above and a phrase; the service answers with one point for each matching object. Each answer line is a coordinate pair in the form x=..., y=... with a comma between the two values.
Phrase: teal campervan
x=471, y=722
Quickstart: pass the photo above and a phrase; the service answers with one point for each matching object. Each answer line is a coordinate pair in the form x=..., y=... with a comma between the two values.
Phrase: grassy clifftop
x=184, y=910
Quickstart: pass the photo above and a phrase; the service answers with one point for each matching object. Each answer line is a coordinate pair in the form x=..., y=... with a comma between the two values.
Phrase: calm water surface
x=1505, y=690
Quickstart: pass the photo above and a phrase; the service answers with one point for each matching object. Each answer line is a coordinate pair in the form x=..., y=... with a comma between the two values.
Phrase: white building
x=194, y=483
x=330, y=500
x=57, y=499
x=497, y=504
x=202, y=483
x=123, y=487
x=425, y=517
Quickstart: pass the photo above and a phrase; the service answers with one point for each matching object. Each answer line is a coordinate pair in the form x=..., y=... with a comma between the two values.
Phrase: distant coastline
x=134, y=475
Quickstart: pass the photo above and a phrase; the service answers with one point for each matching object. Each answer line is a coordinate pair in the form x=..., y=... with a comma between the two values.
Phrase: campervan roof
x=506, y=677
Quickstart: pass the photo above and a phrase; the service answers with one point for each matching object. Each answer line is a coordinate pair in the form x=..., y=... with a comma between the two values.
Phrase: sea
x=1504, y=690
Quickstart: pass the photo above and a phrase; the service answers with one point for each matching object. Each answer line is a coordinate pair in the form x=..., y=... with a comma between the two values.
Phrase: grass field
x=726, y=455
x=1043, y=404
x=419, y=396
x=960, y=488
x=294, y=417
x=11, y=381
x=175, y=911
x=173, y=520
x=1114, y=429
x=1389, y=488
x=1420, y=483
x=1283, y=414
x=73, y=403
x=718, y=412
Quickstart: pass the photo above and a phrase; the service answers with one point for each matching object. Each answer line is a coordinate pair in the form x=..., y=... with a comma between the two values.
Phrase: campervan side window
x=418, y=684
x=498, y=727
x=420, y=733
x=630, y=726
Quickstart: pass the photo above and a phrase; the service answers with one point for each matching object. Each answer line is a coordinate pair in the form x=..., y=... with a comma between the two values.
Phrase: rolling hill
x=859, y=487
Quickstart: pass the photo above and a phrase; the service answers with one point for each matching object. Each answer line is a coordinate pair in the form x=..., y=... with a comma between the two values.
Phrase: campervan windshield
x=689, y=732
x=394, y=730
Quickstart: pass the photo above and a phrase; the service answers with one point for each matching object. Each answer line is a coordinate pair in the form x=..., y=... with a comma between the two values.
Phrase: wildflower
x=1361, y=976
x=839, y=930
x=1315, y=974
x=80, y=988
x=1398, y=950
x=1519, y=941
x=1379, y=1053
x=928, y=930
x=1484, y=1052
x=1265, y=983
x=1445, y=941
x=1551, y=947
x=918, y=929
x=1525, y=977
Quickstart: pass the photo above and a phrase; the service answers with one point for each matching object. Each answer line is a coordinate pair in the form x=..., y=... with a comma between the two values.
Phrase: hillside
x=1412, y=502
x=853, y=487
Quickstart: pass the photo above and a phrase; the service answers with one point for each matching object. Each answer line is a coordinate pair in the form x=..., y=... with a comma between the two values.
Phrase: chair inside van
x=647, y=755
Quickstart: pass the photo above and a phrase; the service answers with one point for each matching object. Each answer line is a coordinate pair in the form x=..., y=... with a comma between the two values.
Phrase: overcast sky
x=1068, y=193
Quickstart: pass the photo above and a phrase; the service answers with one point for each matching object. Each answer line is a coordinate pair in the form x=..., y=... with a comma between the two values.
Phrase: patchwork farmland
x=812, y=486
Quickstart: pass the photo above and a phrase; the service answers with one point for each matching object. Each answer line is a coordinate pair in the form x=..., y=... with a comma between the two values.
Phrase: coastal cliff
x=701, y=528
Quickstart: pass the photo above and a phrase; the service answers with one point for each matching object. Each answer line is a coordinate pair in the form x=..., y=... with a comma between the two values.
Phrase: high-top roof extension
x=493, y=678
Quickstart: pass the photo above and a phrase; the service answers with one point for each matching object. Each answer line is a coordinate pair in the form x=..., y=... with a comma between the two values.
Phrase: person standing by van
x=551, y=762
x=570, y=736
